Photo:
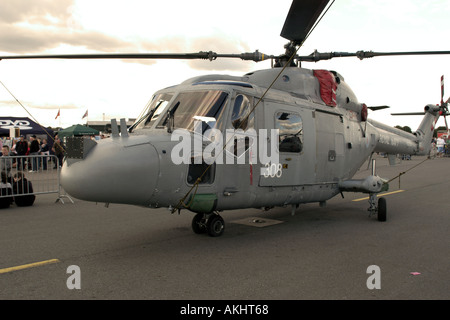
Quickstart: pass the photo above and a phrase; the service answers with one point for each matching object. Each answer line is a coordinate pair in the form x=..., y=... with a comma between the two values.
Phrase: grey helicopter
x=218, y=142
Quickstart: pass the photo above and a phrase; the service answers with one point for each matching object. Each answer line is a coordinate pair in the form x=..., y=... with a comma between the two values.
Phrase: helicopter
x=276, y=137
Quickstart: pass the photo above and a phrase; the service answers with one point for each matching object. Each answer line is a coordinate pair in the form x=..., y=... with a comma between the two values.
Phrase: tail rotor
x=444, y=105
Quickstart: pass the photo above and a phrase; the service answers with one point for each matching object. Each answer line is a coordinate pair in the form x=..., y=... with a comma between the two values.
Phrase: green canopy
x=77, y=130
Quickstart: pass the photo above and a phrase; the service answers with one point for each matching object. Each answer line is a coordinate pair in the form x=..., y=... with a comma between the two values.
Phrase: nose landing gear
x=211, y=223
x=380, y=210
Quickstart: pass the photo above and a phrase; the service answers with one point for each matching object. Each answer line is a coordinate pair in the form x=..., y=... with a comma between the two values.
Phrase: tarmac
x=85, y=250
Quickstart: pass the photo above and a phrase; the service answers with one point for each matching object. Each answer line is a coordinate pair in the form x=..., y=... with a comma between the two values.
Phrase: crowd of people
x=442, y=145
x=16, y=188
x=21, y=147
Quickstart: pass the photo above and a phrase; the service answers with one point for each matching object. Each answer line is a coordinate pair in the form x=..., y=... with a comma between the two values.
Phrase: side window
x=290, y=132
x=240, y=118
x=196, y=171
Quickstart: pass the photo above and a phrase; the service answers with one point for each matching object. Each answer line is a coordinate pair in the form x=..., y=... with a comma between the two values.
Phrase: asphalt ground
x=321, y=253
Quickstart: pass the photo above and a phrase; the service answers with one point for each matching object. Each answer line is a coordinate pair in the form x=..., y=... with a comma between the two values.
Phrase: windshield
x=205, y=106
x=153, y=110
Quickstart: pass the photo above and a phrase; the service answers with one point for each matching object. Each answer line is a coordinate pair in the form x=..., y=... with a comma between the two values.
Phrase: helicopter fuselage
x=227, y=143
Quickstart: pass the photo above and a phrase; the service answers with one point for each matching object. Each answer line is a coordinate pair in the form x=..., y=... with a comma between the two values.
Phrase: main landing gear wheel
x=199, y=223
x=212, y=223
x=215, y=225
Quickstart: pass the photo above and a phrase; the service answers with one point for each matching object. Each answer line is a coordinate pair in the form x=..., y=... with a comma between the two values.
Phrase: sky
x=121, y=89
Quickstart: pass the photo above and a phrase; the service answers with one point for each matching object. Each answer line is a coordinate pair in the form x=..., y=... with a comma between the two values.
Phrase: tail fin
x=425, y=131
x=432, y=113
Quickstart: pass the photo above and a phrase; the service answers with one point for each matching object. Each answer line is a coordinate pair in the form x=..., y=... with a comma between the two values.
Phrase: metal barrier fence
x=23, y=176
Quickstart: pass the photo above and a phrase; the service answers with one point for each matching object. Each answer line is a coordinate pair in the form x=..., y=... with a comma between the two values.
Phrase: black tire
x=199, y=223
x=215, y=225
x=382, y=209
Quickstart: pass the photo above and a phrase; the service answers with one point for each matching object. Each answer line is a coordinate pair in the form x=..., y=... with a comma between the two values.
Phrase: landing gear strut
x=211, y=223
x=380, y=210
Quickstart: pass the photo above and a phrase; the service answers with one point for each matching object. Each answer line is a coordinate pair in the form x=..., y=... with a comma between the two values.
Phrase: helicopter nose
x=113, y=171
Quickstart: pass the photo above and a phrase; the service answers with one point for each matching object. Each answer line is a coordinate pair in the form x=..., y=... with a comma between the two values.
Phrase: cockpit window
x=153, y=110
x=240, y=118
x=188, y=107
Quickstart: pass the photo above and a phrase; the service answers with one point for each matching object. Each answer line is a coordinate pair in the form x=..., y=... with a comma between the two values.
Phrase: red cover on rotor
x=328, y=86
x=364, y=112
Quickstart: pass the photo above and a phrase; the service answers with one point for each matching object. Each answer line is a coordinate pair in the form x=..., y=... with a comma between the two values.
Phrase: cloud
x=26, y=104
x=43, y=12
x=34, y=27
x=49, y=25
x=21, y=40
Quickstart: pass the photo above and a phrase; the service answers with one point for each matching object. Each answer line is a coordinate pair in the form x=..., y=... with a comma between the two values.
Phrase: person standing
x=21, y=150
x=45, y=150
x=440, y=146
x=34, y=151
x=58, y=149
x=6, y=162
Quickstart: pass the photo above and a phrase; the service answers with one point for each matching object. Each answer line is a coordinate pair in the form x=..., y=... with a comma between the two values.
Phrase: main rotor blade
x=369, y=54
x=319, y=56
x=376, y=108
x=111, y=56
x=301, y=18
x=408, y=114
x=415, y=114
x=254, y=56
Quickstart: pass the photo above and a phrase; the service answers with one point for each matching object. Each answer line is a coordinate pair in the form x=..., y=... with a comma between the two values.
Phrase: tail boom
x=395, y=141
